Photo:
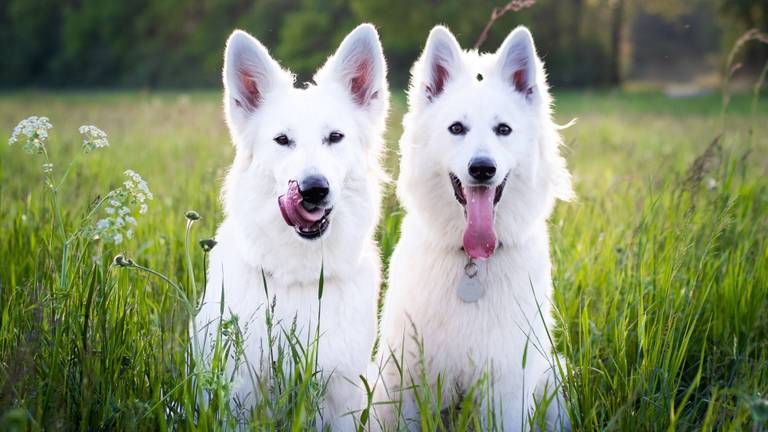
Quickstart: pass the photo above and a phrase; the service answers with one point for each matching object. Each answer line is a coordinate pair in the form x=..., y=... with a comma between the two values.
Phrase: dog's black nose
x=482, y=169
x=314, y=189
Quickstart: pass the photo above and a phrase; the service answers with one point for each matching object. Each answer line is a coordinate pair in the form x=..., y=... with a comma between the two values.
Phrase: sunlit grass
x=660, y=267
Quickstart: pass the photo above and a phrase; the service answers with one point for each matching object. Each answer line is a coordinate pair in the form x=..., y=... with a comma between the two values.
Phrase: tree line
x=177, y=44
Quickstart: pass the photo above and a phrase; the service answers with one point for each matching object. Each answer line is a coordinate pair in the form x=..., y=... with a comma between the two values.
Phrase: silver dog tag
x=470, y=287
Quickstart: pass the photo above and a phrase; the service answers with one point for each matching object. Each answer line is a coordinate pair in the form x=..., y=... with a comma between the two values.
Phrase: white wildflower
x=47, y=168
x=122, y=203
x=134, y=175
x=93, y=138
x=33, y=133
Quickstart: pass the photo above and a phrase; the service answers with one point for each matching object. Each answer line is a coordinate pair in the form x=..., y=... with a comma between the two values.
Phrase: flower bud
x=122, y=261
x=207, y=244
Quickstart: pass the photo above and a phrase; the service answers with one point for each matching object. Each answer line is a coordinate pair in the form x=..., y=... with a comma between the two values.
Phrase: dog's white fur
x=350, y=95
x=462, y=340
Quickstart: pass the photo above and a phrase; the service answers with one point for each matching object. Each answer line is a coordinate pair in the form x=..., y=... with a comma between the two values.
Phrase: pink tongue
x=293, y=212
x=479, y=237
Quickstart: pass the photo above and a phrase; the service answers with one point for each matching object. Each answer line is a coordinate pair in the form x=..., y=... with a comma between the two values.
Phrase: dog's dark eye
x=283, y=140
x=457, y=129
x=503, y=129
x=335, y=137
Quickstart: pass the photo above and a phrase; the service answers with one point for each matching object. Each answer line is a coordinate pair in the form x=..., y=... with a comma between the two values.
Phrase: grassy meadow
x=661, y=265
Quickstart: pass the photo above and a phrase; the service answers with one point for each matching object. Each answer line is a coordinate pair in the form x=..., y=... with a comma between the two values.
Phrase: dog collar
x=471, y=287
x=472, y=284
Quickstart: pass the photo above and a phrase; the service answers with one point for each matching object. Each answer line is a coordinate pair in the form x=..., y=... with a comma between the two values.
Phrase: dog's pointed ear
x=359, y=66
x=439, y=63
x=249, y=73
x=517, y=61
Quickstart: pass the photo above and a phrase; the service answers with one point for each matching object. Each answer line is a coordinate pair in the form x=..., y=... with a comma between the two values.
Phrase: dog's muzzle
x=305, y=207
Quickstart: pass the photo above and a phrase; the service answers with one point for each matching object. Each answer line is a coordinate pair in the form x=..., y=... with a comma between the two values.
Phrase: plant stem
x=60, y=222
x=66, y=171
x=190, y=269
x=96, y=207
x=171, y=283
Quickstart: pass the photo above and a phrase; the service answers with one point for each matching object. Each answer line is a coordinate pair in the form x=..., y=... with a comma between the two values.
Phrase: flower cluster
x=33, y=132
x=93, y=138
x=122, y=205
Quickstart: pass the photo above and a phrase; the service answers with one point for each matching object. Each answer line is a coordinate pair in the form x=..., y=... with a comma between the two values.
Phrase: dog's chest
x=511, y=306
x=346, y=314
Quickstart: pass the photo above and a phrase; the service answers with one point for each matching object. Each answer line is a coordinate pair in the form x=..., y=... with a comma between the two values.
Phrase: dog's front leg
x=549, y=394
x=342, y=404
x=394, y=406
x=517, y=406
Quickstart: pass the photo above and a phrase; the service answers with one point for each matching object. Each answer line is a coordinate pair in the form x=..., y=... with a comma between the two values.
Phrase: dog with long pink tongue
x=469, y=290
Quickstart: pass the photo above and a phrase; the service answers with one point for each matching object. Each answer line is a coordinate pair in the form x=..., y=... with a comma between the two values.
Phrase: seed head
x=207, y=244
x=122, y=261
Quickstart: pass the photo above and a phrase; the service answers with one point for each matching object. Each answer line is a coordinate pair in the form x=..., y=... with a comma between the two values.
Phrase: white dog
x=302, y=193
x=470, y=277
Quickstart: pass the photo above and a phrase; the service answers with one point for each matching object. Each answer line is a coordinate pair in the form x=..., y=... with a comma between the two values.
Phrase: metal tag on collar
x=470, y=287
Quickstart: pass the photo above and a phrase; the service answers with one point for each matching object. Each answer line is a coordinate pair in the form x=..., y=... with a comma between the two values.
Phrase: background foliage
x=171, y=43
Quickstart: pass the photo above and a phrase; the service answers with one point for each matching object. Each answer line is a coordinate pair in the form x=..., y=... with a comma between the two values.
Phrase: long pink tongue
x=292, y=210
x=479, y=237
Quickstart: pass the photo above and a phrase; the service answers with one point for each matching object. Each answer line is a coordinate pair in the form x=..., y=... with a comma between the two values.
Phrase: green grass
x=661, y=267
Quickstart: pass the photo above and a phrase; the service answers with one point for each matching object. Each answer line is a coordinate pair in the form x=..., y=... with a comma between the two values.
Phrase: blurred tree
x=95, y=43
x=405, y=24
x=747, y=14
x=618, y=31
x=28, y=37
x=311, y=33
x=674, y=40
